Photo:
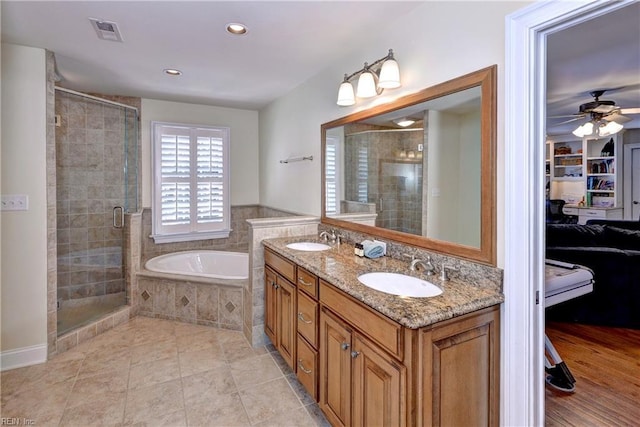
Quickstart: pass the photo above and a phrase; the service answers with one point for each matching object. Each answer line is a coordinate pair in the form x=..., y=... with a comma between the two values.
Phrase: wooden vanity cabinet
x=280, y=306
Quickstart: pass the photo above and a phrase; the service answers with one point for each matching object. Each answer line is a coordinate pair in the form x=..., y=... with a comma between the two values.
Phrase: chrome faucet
x=330, y=237
x=426, y=265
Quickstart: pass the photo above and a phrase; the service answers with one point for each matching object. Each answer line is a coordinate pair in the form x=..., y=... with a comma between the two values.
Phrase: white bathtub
x=202, y=263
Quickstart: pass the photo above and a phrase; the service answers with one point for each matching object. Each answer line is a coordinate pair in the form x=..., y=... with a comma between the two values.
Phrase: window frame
x=194, y=230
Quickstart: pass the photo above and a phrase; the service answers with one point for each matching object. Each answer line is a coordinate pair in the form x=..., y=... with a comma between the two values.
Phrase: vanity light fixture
x=383, y=73
x=237, y=29
x=172, y=72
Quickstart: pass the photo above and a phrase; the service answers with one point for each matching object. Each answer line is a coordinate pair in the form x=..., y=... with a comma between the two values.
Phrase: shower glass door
x=96, y=184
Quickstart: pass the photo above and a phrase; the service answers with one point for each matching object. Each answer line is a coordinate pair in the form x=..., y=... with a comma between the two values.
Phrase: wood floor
x=606, y=365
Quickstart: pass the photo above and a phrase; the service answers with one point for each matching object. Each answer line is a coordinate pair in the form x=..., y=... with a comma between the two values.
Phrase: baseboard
x=25, y=356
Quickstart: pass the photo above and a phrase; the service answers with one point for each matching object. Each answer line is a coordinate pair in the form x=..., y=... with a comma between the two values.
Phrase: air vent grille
x=106, y=30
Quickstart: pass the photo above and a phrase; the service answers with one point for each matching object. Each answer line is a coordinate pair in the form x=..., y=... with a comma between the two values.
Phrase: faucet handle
x=443, y=274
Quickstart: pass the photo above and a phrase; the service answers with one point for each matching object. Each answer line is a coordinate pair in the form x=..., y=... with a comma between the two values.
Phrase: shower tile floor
x=159, y=372
x=74, y=316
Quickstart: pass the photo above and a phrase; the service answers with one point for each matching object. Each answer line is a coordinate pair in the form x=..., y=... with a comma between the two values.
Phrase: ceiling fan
x=599, y=110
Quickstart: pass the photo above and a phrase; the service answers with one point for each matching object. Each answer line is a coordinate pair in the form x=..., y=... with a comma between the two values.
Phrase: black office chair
x=555, y=215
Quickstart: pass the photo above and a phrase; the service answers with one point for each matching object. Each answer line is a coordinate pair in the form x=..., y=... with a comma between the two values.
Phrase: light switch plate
x=14, y=202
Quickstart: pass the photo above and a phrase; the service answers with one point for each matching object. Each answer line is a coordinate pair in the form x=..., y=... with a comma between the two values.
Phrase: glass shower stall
x=96, y=185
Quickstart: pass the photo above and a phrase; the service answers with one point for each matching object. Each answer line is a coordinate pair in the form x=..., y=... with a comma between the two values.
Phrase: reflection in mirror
x=419, y=170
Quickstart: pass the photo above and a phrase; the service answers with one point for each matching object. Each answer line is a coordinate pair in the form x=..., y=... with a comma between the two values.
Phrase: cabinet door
x=335, y=369
x=461, y=371
x=270, y=309
x=286, y=320
x=378, y=386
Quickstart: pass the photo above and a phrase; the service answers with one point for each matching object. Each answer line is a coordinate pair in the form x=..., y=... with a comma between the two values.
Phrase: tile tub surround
x=340, y=267
x=202, y=301
x=159, y=372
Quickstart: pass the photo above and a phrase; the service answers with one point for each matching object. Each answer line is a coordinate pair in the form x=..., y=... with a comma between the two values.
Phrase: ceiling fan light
x=404, y=122
x=389, y=75
x=346, y=97
x=609, y=129
x=366, y=85
x=583, y=130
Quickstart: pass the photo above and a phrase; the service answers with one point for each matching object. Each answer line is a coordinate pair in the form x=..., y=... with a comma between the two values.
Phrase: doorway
x=632, y=177
x=522, y=385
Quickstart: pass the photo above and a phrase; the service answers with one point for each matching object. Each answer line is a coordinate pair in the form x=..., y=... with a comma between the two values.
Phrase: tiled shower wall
x=90, y=158
x=399, y=197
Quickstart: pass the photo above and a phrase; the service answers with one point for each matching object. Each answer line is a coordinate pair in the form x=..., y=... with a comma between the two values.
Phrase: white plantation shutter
x=363, y=174
x=191, y=184
x=331, y=176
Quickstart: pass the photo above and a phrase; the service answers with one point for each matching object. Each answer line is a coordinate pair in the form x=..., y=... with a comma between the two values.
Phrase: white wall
x=244, y=142
x=24, y=233
x=436, y=42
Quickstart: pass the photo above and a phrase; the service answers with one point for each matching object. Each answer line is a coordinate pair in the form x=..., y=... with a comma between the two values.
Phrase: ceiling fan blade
x=578, y=116
x=569, y=121
x=630, y=110
x=617, y=117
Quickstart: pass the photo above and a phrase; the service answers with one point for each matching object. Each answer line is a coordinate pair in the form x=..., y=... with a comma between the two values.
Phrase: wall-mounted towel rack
x=297, y=159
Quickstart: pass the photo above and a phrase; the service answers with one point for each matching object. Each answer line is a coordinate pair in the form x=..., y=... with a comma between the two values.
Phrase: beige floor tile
x=239, y=348
x=207, y=386
x=198, y=341
x=111, y=341
x=256, y=370
x=153, y=401
x=52, y=373
x=156, y=372
x=184, y=329
x=295, y=418
x=173, y=419
x=106, y=361
x=107, y=410
x=38, y=403
x=193, y=362
x=155, y=351
x=10, y=381
x=224, y=411
x=269, y=399
x=153, y=335
x=94, y=387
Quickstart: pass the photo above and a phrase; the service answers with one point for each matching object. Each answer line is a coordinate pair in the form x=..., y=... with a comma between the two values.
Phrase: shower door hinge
x=58, y=120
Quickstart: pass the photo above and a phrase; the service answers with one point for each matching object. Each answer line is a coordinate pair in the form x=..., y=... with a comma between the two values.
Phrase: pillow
x=622, y=238
x=559, y=235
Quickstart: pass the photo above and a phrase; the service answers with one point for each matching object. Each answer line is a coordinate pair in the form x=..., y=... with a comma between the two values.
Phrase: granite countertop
x=341, y=268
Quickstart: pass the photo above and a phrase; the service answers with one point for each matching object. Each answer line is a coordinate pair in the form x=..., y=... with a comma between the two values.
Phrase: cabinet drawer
x=571, y=211
x=383, y=331
x=307, y=282
x=281, y=265
x=308, y=318
x=307, y=368
x=594, y=213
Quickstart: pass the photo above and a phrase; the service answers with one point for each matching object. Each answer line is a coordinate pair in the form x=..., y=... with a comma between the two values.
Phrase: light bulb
x=389, y=74
x=346, y=96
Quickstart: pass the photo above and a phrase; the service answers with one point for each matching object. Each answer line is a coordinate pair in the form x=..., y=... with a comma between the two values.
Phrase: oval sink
x=308, y=246
x=399, y=284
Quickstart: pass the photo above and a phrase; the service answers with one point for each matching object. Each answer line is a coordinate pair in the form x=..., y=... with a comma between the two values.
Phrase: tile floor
x=151, y=372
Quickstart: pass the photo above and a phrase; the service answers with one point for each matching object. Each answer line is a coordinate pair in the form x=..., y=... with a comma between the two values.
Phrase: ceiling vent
x=106, y=30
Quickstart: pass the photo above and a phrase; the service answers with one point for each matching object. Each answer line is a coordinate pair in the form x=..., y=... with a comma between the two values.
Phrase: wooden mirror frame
x=486, y=253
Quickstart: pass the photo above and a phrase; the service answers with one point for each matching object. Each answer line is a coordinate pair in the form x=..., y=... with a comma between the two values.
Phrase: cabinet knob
x=345, y=346
x=276, y=286
x=355, y=354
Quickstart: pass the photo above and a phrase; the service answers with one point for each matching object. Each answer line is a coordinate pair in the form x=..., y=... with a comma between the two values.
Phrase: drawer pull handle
x=301, y=317
x=301, y=280
x=355, y=354
x=344, y=346
x=302, y=368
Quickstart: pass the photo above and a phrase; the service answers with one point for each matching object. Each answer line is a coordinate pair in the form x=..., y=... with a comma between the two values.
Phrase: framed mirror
x=419, y=170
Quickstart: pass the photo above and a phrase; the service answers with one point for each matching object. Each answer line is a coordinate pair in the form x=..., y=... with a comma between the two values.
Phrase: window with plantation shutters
x=363, y=174
x=191, y=182
x=331, y=176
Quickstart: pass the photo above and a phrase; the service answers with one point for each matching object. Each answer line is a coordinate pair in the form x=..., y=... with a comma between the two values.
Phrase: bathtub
x=201, y=287
x=202, y=263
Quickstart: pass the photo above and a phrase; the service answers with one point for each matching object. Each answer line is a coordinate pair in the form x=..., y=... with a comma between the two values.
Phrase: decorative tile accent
x=184, y=300
x=146, y=295
x=229, y=306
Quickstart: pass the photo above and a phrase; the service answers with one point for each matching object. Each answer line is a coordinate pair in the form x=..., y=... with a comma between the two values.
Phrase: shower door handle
x=118, y=217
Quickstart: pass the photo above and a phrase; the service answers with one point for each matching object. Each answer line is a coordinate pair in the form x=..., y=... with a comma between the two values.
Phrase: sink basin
x=399, y=284
x=308, y=246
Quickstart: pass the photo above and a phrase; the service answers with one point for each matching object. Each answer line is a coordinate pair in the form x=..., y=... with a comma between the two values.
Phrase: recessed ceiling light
x=172, y=71
x=404, y=122
x=237, y=29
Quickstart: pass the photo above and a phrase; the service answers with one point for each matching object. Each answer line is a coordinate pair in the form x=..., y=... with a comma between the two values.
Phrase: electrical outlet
x=14, y=202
